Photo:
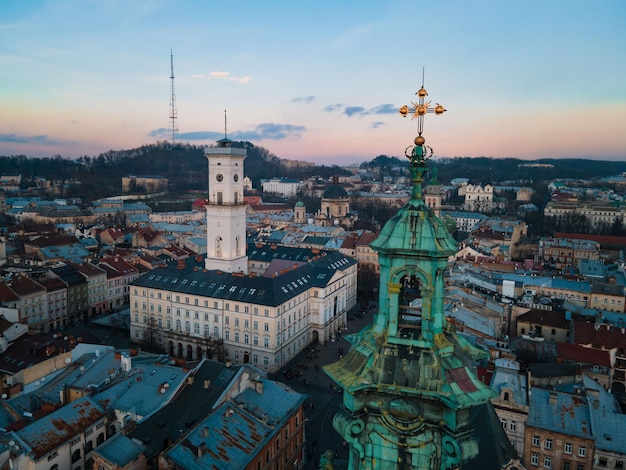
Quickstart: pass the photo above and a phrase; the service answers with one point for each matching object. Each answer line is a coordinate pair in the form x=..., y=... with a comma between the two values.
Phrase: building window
x=582, y=451
x=266, y=342
x=536, y=441
x=513, y=426
x=236, y=337
x=246, y=338
x=534, y=459
x=196, y=328
x=567, y=448
x=187, y=327
x=566, y=465
x=227, y=335
x=547, y=462
x=255, y=340
x=548, y=444
x=619, y=465
x=602, y=461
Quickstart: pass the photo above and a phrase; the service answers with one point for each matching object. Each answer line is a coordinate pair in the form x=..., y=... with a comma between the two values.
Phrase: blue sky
x=315, y=80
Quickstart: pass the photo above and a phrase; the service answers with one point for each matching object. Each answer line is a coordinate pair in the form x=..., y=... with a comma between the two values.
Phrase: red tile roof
x=599, y=335
x=583, y=355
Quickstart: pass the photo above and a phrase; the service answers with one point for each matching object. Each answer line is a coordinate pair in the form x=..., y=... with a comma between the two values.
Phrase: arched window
x=216, y=331
x=76, y=456
x=218, y=246
x=55, y=467
x=237, y=245
x=178, y=325
x=187, y=327
x=100, y=439
x=506, y=396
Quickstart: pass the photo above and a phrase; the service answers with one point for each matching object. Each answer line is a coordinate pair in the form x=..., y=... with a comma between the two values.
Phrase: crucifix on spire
x=418, y=110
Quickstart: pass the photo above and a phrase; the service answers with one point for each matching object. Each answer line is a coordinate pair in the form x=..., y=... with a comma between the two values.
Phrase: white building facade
x=188, y=307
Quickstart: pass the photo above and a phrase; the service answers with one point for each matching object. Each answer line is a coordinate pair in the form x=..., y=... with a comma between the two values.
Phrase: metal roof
x=189, y=277
x=53, y=430
x=120, y=450
x=232, y=435
x=559, y=412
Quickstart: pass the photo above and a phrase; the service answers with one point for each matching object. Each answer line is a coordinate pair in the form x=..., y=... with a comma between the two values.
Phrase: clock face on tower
x=219, y=177
x=236, y=177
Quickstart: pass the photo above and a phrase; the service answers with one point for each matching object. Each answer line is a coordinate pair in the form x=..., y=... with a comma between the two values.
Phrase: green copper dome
x=415, y=229
x=299, y=204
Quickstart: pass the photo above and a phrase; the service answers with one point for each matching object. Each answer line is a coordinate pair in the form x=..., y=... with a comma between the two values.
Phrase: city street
x=323, y=402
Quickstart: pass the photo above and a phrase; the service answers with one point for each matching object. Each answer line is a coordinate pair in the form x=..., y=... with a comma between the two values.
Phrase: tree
x=367, y=281
x=150, y=336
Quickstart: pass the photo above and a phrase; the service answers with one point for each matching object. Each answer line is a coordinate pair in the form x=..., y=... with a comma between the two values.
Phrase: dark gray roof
x=335, y=192
x=495, y=448
x=155, y=431
x=268, y=253
x=69, y=275
x=188, y=277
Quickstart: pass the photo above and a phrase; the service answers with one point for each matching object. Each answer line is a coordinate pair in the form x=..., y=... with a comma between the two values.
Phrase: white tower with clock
x=225, y=209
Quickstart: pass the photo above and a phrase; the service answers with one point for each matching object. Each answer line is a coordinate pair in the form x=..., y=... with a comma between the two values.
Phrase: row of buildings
x=93, y=407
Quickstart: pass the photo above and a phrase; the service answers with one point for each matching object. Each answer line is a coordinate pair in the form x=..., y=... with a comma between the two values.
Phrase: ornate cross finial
x=418, y=111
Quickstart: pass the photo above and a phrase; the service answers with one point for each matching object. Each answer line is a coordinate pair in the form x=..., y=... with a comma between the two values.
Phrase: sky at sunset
x=320, y=80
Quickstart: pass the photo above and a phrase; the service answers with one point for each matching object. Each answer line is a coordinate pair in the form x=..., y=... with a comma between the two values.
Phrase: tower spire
x=225, y=125
x=173, y=113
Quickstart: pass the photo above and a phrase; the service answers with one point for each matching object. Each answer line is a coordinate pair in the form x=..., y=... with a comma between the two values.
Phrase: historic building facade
x=242, y=303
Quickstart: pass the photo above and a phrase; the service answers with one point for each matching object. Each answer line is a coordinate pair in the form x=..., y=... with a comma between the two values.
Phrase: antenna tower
x=173, y=113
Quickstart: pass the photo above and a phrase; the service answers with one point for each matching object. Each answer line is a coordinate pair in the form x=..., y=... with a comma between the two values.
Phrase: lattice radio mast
x=173, y=113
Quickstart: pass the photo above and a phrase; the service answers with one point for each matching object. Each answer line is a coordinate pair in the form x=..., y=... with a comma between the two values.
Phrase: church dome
x=299, y=204
x=335, y=192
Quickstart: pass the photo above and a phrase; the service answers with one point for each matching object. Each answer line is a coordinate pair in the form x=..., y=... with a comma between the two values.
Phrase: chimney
x=553, y=398
x=200, y=449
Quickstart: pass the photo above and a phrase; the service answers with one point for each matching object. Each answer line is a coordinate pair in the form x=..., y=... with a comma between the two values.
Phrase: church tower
x=225, y=209
x=299, y=213
x=411, y=399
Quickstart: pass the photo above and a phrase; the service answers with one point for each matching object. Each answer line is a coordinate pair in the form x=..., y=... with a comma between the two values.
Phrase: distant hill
x=185, y=166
